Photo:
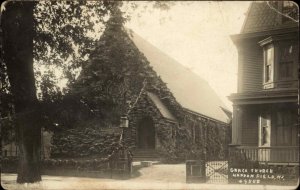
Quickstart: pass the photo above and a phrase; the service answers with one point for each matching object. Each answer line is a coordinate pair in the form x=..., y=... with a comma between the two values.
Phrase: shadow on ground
x=136, y=171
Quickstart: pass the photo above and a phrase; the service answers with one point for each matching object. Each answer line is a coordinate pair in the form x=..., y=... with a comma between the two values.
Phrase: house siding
x=250, y=128
x=251, y=69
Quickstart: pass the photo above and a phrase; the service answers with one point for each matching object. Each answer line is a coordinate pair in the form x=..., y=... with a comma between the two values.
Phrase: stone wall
x=194, y=134
x=209, y=138
x=163, y=127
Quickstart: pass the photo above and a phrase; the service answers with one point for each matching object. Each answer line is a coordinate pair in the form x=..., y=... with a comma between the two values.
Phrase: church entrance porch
x=146, y=134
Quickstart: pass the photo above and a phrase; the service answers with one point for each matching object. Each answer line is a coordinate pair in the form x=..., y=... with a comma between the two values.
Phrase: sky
x=197, y=35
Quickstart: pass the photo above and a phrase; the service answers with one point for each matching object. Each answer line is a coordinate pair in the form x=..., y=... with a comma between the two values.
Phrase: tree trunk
x=18, y=31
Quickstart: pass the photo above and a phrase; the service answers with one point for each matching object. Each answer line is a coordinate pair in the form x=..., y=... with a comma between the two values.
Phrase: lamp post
x=123, y=125
x=124, y=122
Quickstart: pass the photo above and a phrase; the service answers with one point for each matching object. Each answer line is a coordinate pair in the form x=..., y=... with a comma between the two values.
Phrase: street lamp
x=124, y=122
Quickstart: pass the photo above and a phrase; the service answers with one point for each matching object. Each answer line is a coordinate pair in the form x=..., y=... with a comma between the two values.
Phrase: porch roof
x=265, y=97
x=160, y=106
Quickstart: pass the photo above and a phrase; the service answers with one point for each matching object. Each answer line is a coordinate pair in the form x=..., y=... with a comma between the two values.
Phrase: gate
x=216, y=172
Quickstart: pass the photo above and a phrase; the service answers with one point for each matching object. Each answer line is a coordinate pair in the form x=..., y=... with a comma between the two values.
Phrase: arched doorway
x=146, y=133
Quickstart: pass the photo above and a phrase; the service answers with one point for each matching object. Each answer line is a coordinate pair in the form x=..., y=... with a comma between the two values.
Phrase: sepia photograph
x=137, y=95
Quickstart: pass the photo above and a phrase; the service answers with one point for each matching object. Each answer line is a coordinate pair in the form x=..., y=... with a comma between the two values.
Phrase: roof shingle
x=261, y=17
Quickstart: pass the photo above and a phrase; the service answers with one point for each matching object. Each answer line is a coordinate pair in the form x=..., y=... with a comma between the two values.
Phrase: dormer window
x=280, y=62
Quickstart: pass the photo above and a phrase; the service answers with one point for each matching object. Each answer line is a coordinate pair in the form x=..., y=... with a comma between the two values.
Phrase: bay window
x=280, y=62
x=286, y=61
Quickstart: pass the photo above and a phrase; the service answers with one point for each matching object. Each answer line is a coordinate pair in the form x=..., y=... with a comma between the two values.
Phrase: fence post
x=232, y=158
x=195, y=171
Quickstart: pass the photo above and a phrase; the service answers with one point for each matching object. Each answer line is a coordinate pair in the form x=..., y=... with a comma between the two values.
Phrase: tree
x=18, y=31
x=44, y=32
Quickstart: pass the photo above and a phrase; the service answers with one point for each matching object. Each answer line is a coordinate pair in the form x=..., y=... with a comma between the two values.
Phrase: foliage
x=9, y=164
x=63, y=39
x=67, y=32
x=64, y=27
x=6, y=105
x=86, y=164
x=168, y=147
x=110, y=80
x=49, y=91
x=66, y=35
x=60, y=36
x=184, y=144
x=82, y=142
x=7, y=121
x=116, y=74
x=7, y=130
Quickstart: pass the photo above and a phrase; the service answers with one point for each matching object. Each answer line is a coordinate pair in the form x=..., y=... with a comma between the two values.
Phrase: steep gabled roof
x=189, y=89
x=261, y=17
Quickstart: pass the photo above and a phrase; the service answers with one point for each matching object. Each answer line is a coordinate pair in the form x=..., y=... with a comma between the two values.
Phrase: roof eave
x=244, y=36
x=204, y=116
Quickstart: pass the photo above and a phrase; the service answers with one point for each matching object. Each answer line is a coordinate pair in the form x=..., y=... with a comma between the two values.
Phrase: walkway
x=153, y=177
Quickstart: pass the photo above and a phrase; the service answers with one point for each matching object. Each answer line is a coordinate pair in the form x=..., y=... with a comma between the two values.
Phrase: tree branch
x=136, y=100
x=285, y=15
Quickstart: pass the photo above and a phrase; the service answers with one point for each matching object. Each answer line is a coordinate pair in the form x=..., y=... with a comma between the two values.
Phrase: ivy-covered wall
x=163, y=127
x=85, y=142
x=114, y=83
x=192, y=137
x=209, y=138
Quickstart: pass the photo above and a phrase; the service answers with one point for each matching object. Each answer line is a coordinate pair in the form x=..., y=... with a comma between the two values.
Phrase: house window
x=280, y=61
x=265, y=130
x=286, y=127
x=264, y=139
x=269, y=64
x=285, y=69
x=286, y=61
